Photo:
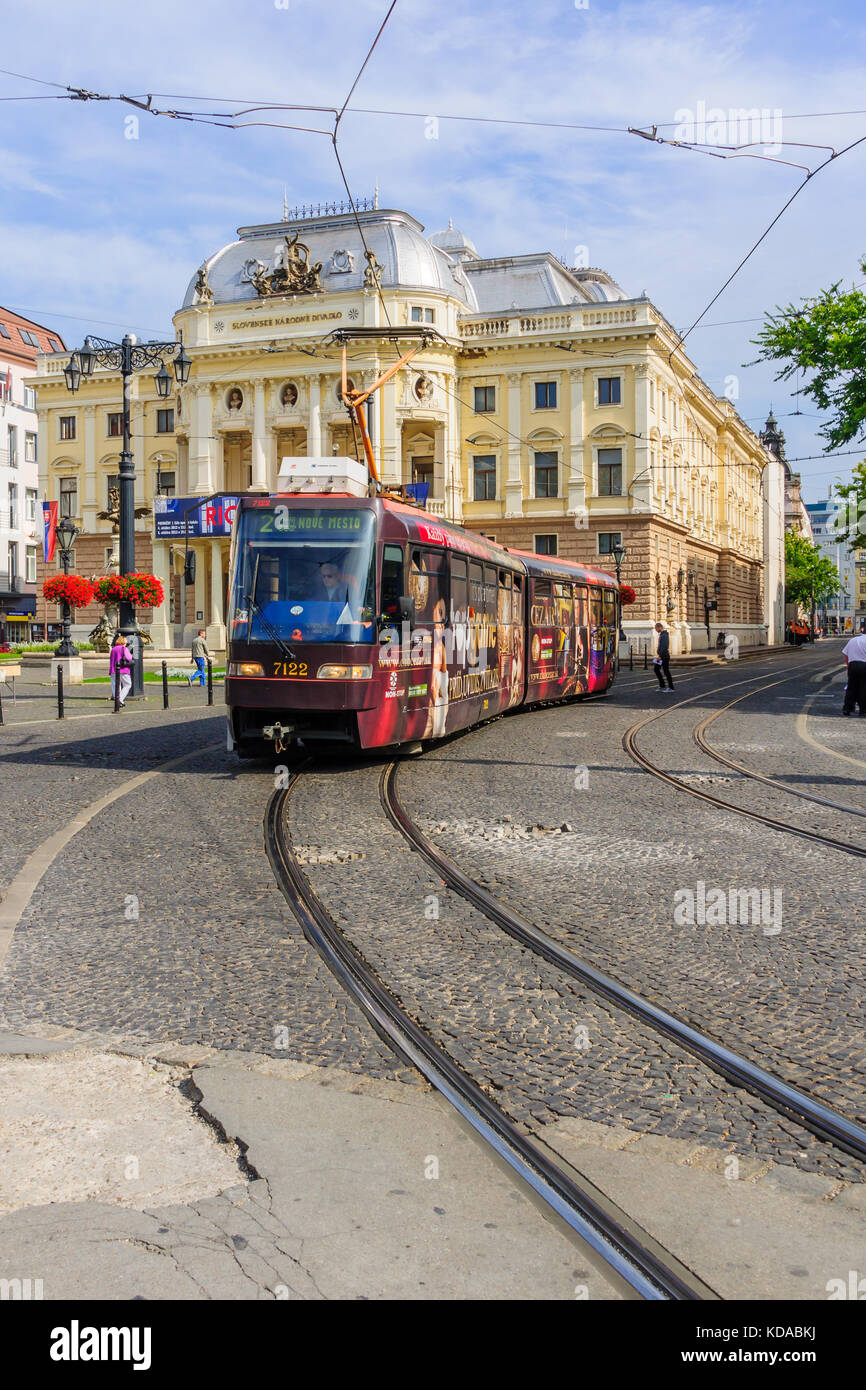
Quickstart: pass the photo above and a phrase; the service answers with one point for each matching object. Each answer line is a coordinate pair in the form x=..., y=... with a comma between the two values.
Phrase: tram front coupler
x=279, y=734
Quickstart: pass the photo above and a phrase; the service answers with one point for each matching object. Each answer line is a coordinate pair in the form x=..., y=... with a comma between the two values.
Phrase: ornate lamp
x=72, y=373
x=163, y=381
x=182, y=365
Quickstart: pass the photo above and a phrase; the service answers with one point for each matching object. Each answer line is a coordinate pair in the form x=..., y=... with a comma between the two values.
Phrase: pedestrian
x=855, y=659
x=200, y=655
x=120, y=670
x=662, y=658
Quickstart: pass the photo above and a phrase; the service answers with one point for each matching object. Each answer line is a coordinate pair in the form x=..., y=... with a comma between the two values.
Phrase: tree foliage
x=808, y=573
x=850, y=519
x=826, y=339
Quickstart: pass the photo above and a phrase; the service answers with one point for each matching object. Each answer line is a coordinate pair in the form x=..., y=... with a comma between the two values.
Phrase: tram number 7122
x=290, y=668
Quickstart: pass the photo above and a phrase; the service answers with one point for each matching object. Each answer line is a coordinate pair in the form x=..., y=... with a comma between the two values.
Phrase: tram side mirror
x=189, y=567
x=407, y=608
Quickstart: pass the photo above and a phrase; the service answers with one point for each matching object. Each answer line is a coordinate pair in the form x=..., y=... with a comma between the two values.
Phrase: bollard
x=164, y=686
x=210, y=682
x=1, y=709
x=644, y=657
x=630, y=657
x=60, y=692
x=117, y=690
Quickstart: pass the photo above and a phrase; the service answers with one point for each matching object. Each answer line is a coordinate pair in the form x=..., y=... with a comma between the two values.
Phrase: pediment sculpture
x=292, y=272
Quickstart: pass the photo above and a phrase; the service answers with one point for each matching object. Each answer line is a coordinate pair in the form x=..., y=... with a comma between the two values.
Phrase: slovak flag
x=49, y=530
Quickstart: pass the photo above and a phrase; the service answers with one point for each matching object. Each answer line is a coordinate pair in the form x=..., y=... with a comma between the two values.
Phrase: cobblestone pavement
x=161, y=919
x=605, y=886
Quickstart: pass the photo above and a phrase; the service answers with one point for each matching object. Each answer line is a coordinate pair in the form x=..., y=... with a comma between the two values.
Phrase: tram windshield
x=304, y=574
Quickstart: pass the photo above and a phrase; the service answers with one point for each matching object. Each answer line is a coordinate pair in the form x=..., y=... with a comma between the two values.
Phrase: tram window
x=517, y=599
x=459, y=589
x=392, y=580
x=428, y=585
x=476, y=587
x=505, y=579
x=609, y=607
x=597, y=608
x=543, y=588
x=581, y=606
x=491, y=600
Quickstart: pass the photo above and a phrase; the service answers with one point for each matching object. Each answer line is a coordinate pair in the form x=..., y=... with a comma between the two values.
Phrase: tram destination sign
x=210, y=516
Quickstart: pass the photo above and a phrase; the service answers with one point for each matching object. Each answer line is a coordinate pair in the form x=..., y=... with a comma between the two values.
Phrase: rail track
x=627, y=1254
x=630, y=745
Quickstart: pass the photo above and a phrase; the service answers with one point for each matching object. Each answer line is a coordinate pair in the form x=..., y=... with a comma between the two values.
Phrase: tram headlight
x=246, y=668
x=345, y=673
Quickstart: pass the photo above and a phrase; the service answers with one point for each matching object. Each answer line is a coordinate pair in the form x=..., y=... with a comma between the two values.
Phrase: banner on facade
x=49, y=530
x=420, y=491
x=212, y=517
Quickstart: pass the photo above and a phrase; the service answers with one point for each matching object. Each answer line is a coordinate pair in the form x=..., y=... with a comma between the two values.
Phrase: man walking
x=855, y=659
x=662, y=659
x=200, y=655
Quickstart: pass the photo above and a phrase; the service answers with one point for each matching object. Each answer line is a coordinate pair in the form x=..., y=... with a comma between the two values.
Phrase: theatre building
x=552, y=411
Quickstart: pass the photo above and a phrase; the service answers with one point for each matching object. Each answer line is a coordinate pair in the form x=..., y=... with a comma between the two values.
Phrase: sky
x=108, y=210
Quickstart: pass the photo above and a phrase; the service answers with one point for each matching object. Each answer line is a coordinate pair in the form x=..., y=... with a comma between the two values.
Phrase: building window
x=485, y=399
x=13, y=507
x=30, y=448
x=67, y=427
x=4, y=331
x=58, y=564
x=608, y=541
x=484, y=477
x=114, y=421
x=545, y=545
x=165, y=483
x=29, y=337
x=610, y=472
x=422, y=471
x=30, y=561
x=165, y=421
x=545, y=395
x=54, y=345
x=69, y=497
x=13, y=563
x=29, y=398
x=421, y=315
x=12, y=437
x=30, y=499
x=610, y=390
x=546, y=475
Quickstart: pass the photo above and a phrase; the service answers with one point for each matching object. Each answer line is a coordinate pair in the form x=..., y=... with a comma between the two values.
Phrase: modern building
x=551, y=410
x=21, y=341
x=846, y=612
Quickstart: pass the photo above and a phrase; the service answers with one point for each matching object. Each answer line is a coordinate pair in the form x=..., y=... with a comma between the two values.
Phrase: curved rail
x=700, y=740
x=629, y=743
x=794, y=1104
x=635, y=1261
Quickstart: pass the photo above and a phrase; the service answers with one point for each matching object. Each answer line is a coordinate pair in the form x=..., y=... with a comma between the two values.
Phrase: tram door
x=597, y=641
x=563, y=601
x=581, y=637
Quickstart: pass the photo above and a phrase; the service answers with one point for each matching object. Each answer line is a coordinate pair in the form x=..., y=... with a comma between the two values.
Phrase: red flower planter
x=144, y=590
x=68, y=588
x=627, y=594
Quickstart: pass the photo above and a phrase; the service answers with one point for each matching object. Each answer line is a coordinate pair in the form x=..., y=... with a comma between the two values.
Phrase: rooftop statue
x=292, y=272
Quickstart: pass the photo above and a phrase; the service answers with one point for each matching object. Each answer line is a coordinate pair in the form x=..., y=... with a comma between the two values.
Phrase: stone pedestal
x=72, y=667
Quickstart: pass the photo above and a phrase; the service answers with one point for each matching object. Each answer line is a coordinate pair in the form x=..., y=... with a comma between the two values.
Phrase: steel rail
x=629, y=743
x=637, y=1263
x=826, y=1123
x=705, y=747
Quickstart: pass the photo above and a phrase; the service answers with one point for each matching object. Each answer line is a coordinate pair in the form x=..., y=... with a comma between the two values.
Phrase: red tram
x=367, y=622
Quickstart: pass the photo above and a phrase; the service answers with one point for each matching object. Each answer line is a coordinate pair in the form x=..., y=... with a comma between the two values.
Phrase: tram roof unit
x=549, y=567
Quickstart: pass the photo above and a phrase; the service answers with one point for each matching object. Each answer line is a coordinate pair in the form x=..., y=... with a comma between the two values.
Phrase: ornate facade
x=551, y=411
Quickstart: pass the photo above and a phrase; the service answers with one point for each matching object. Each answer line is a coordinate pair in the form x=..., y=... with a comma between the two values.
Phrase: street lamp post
x=129, y=356
x=66, y=533
x=619, y=553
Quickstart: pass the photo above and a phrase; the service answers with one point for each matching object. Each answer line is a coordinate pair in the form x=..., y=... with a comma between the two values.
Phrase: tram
x=366, y=622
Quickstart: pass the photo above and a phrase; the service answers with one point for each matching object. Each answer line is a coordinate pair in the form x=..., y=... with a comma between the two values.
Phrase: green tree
x=825, y=338
x=809, y=575
x=850, y=521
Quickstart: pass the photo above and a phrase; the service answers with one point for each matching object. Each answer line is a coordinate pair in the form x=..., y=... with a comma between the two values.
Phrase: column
x=314, y=430
x=161, y=632
x=202, y=450
x=453, y=463
x=259, y=481
x=513, y=480
x=89, y=501
x=215, y=635
x=642, y=486
x=137, y=425
x=440, y=453
x=576, y=492
x=389, y=458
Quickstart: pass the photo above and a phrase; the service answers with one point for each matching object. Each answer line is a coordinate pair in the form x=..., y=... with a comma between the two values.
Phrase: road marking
x=803, y=731
x=109, y=714
x=37, y=864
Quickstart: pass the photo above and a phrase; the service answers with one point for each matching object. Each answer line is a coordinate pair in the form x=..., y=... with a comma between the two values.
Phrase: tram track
x=821, y=1120
x=634, y=1260
x=630, y=744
